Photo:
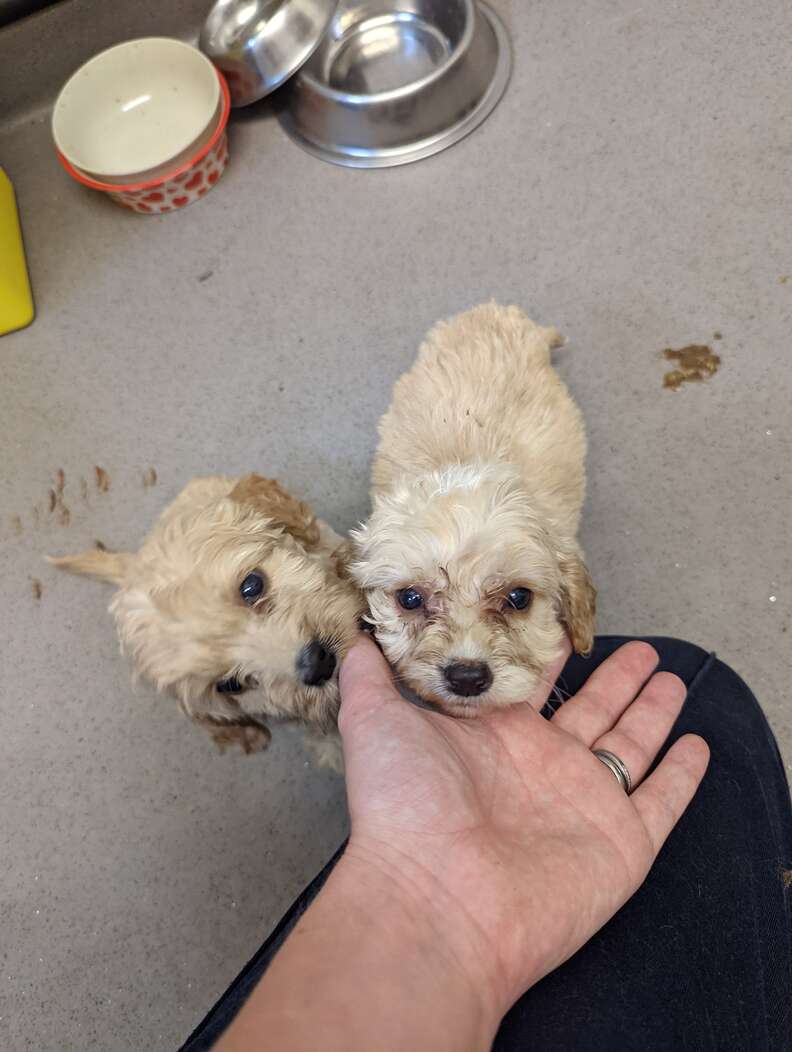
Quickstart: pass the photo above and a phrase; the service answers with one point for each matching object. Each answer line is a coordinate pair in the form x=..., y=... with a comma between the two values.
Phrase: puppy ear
x=107, y=566
x=578, y=602
x=270, y=498
x=341, y=558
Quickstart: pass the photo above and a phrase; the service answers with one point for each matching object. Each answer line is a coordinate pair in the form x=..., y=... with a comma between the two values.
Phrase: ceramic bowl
x=137, y=111
x=182, y=184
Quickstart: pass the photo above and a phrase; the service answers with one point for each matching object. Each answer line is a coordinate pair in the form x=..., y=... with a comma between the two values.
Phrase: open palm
x=522, y=839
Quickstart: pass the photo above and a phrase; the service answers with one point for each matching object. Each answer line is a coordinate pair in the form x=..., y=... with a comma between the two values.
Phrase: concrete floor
x=632, y=188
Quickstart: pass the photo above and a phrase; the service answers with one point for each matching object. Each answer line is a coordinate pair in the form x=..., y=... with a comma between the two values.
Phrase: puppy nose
x=316, y=663
x=468, y=678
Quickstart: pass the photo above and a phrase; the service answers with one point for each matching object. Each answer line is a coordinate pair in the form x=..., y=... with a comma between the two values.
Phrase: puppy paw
x=249, y=737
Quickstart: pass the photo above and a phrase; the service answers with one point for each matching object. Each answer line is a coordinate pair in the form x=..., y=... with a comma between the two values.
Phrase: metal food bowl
x=259, y=43
x=393, y=81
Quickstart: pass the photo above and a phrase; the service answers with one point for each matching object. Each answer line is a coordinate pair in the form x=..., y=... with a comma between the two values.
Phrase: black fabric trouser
x=700, y=957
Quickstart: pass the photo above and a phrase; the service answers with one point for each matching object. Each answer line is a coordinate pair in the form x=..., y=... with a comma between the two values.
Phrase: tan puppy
x=236, y=604
x=469, y=561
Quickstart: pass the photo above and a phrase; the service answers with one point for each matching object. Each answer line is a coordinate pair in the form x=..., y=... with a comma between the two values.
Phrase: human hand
x=506, y=839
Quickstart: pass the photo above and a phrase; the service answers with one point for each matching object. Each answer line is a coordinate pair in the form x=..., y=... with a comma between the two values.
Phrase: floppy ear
x=270, y=498
x=341, y=558
x=578, y=602
x=107, y=566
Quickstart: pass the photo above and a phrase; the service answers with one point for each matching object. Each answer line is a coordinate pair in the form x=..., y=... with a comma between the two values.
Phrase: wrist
x=373, y=963
x=419, y=921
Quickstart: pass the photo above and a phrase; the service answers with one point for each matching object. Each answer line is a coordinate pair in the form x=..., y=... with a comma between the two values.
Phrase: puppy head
x=234, y=604
x=470, y=588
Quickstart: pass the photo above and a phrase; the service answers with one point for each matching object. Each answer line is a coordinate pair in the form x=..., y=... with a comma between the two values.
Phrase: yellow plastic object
x=16, y=301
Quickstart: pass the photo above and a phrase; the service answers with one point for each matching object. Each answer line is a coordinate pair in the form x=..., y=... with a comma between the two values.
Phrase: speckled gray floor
x=632, y=188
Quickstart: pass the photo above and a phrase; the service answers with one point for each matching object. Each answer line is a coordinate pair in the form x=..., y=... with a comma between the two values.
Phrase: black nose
x=468, y=678
x=316, y=663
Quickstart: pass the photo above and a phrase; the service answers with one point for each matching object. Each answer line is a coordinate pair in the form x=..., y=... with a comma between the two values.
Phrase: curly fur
x=478, y=484
x=181, y=620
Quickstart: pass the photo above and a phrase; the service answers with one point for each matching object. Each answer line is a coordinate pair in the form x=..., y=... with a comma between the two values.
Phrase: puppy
x=469, y=561
x=236, y=603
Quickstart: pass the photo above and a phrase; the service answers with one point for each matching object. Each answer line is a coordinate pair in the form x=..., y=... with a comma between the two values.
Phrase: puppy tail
x=537, y=340
x=508, y=327
x=107, y=566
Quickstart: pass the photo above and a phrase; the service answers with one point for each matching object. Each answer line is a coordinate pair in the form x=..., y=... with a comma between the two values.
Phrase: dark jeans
x=700, y=957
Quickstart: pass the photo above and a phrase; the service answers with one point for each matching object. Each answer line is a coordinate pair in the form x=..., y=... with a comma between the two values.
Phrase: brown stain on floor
x=56, y=501
x=694, y=363
x=102, y=479
x=55, y=504
x=36, y=588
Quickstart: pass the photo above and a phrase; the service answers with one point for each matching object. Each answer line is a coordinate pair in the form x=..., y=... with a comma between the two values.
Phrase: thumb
x=366, y=682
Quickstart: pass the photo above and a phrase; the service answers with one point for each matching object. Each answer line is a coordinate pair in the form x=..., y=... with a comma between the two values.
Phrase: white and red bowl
x=175, y=149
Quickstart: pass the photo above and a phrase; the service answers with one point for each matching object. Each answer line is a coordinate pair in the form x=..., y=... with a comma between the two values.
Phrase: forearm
x=368, y=966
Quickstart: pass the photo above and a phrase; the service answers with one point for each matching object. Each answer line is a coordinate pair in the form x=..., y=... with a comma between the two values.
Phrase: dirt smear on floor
x=102, y=479
x=693, y=363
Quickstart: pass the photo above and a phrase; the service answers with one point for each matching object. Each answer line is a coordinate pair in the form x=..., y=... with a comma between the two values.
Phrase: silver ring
x=618, y=766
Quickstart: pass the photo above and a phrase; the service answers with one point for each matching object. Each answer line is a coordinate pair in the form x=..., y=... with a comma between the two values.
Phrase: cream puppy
x=237, y=604
x=470, y=561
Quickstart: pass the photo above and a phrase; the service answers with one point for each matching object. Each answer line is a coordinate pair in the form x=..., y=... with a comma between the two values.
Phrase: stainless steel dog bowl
x=393, y=81
x=259, y=43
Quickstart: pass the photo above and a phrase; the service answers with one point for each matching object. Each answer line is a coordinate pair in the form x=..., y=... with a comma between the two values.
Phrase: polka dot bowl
x=187, y=183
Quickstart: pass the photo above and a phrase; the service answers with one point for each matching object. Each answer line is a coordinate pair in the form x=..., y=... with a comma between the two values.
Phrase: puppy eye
x=229, y=685
x=252, y=587
x=409, y=598
x=519, y=598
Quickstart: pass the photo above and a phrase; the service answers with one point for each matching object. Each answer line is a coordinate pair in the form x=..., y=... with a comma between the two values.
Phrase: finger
x=607, y=692
x=365, y=680
x=639, y=734
x=663, y=797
